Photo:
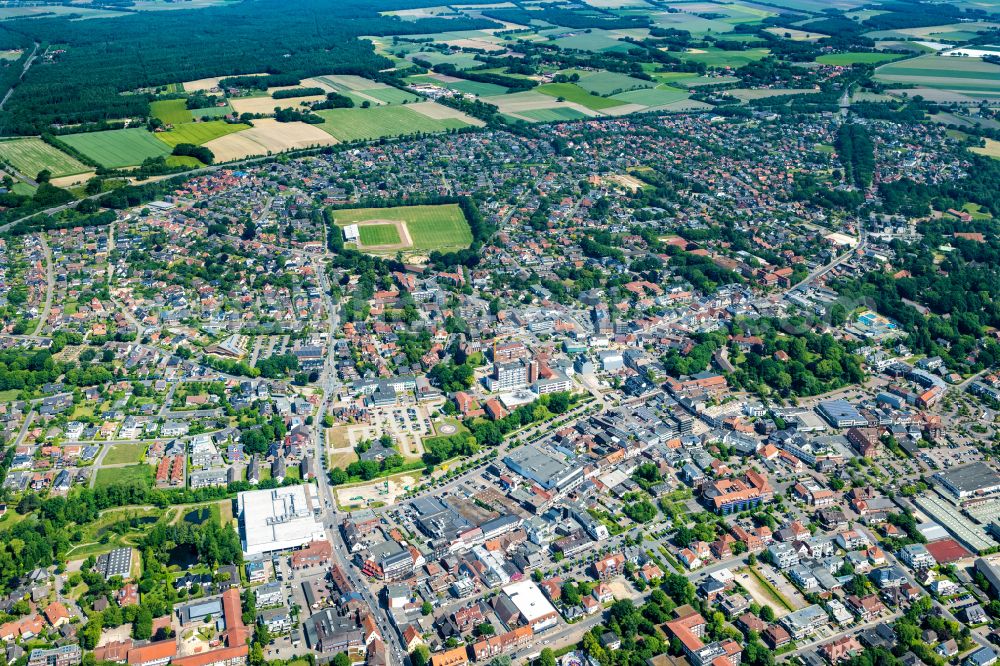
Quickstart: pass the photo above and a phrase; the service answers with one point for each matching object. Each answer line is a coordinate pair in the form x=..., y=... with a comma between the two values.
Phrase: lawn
x=552, y=115
x=9, y=395
x=141, y=474
x=171, y=111
x=29, y=156
x=574, y=93
x=380, y=234
x=973, y=209
x=115, y=149
x=199, y=133
x=383, y=121
x=124, y=453
x=844, y=59
x=443, y=228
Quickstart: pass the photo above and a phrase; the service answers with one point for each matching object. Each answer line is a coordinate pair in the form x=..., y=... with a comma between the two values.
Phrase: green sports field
x=29, y=156
x=171, y=111
x=382, y=121
x=379, y=234
x=845, y=59
x=574, y=93
x=443, y=227
x=199, y=133
x=115, y=149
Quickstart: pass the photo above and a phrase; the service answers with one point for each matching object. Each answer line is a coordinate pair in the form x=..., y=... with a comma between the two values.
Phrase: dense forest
x=857, y=155
x=97, y=60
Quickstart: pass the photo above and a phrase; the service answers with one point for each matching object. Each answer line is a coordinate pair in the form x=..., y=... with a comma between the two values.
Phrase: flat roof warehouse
x=973, y=479
x=278, y=519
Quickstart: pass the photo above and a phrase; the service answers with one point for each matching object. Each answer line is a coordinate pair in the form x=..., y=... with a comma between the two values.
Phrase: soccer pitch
x=409, y=228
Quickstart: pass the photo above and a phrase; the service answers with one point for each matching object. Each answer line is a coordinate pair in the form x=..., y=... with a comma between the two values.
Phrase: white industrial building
x=279, y=519
x=535, y=609
x=352, y=234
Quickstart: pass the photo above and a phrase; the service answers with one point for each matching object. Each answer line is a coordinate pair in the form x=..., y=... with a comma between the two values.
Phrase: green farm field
x=595, y=40
x=383, y=121
x=945, y=73
x=474, y=87
x=199, y=133
x=845, y=59
x=712, y=57
x=442, y=227
x=609, y=83
x=574, y=93
x=212, y=112
x=391, y=95
x=171, y=111
x=653, y=96
x=115, y=149
x=29, y=156
x=184, y=161
x=552, y=115
x=379, y=234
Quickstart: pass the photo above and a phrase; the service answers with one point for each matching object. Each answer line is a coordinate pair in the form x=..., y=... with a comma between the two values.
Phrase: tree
x=142, y=627
x=341, y=659
x=767, y=613
x=485, y=629
x=680, y=589
x=420, y=656
x=426, y=608
x=547, y=657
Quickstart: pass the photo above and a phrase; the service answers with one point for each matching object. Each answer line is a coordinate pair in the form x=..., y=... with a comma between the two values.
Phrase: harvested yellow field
x=267, y=104
x=207, y=84
x=475, y=43
x=992, y=149
x=442, y=112
x=268, y=136
x=76, y=179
